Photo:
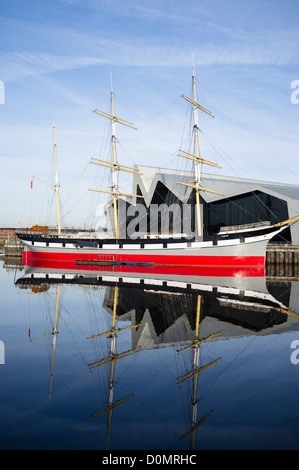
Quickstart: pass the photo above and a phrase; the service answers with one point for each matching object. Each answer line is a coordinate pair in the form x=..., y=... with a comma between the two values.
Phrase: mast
x=197, y=164
x=56, y=187
x=111, y=360
x=114, y=170
x=196, y=157
x=54, y=333
x=115, y=166
x=193, y=374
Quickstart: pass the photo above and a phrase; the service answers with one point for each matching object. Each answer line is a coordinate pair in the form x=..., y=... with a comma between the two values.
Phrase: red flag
x=31, y=183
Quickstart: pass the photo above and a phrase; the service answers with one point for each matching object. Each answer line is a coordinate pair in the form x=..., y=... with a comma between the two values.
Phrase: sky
x=59, y=58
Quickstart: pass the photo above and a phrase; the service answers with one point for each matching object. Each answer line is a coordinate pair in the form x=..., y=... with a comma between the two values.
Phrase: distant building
x=5, y=232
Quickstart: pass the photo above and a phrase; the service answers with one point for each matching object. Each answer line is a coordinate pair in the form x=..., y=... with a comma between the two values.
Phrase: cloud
x=213, y=42
x=18, y=65
x=133, y=9
x=122, y=52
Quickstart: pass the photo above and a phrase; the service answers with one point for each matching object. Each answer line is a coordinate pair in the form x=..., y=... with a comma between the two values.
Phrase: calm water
x=55, y=388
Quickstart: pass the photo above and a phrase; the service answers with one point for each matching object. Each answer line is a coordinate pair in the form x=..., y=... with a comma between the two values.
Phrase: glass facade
x=247, y=208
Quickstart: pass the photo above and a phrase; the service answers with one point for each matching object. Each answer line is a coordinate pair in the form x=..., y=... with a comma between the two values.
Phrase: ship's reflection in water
x=183, y=361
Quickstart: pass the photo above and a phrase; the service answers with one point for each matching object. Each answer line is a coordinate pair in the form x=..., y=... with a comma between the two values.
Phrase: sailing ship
x=232, y=246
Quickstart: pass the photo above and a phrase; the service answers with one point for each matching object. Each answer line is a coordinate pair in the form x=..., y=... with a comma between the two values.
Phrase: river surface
x=65, y=384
